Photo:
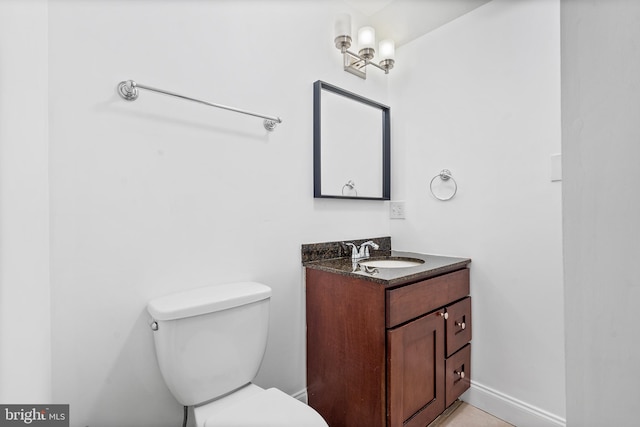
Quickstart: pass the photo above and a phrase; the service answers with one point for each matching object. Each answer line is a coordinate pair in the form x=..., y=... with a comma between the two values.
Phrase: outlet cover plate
x=396, y=210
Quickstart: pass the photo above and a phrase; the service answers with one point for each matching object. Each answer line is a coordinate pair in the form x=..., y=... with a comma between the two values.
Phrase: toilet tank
x=210, y=341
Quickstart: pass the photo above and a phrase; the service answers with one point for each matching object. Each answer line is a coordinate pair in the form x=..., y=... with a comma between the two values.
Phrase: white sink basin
x=392, y=263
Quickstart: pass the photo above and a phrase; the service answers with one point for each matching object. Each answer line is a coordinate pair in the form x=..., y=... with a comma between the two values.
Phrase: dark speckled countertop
x=434, y=265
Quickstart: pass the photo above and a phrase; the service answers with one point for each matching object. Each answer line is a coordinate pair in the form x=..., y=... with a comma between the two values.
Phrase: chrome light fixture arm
x=354, y=62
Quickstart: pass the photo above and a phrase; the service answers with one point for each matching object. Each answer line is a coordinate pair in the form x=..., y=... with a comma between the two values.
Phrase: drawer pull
x=444, y=314
x=462, y=325
x=459, y=373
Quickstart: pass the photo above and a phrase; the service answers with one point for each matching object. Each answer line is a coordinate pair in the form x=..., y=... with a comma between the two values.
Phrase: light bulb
x=366, y=38
x=342, y=32
x=367, y=42
x=342, y=25
x=387, y=49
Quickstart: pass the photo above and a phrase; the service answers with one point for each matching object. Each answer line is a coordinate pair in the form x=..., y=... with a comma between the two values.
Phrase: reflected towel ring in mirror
x=352, y=186
x=444, y=175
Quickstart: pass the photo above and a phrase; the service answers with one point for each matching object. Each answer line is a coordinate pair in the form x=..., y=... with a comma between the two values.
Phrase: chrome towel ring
x=351, y=185
x=444, y=175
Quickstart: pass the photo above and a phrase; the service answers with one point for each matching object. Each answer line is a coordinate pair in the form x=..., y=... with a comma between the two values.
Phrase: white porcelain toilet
x=210, y=343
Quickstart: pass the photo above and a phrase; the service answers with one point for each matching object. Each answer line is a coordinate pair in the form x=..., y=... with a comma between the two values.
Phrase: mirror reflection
x=351, y=145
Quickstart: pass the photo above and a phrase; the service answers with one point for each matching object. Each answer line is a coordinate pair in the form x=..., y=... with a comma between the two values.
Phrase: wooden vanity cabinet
x=386, y=356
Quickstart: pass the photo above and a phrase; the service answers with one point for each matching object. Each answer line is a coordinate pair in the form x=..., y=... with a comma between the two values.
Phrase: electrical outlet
x=396, y=210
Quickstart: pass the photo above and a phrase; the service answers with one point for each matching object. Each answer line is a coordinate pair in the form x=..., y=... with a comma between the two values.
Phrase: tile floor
x=461, y=414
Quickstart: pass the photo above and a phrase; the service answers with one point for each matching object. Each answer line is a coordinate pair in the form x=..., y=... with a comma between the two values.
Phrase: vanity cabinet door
x=415, y=372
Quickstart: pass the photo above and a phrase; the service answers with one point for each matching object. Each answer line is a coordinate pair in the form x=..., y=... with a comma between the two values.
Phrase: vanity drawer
x=410, y=301
x=457, y=374
x=458, y=325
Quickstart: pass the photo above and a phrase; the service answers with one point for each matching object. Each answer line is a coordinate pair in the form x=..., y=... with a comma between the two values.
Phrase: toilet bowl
x=209, y=344
x=254, y=406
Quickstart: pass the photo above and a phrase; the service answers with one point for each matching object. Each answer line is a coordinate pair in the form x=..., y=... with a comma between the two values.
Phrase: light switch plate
x=396, y=210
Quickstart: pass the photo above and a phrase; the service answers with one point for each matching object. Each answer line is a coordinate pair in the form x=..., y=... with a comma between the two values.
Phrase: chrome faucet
x=363, y=252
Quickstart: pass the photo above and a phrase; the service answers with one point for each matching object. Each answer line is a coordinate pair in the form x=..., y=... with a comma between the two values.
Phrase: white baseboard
x=301, y=396
x=498, y=404
x=510, y=409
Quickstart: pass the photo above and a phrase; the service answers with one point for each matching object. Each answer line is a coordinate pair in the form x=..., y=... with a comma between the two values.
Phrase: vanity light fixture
x=355, y=63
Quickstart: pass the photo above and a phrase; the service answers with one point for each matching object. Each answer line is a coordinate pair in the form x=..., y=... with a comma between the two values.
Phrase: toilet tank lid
x=208, y=299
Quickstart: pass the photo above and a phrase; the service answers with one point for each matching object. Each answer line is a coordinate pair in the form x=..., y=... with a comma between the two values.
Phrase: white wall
x=160, y=195
x=25, y=346
x=601, y=206
x=481, y=97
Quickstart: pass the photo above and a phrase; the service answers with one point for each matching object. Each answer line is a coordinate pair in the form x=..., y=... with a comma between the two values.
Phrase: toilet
x=210, y=343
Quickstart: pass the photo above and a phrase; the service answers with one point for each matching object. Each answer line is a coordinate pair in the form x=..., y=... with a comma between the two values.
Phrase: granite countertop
x=434, y=265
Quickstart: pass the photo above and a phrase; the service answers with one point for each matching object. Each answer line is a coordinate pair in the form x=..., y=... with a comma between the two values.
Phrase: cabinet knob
x=459, y=373
x=444, y=314
x=461, y=324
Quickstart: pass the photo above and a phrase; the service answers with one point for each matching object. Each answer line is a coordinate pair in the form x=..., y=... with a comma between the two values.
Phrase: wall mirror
x=351, y=145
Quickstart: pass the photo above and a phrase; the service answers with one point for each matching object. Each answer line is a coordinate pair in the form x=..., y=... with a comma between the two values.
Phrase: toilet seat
x=264, y=408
